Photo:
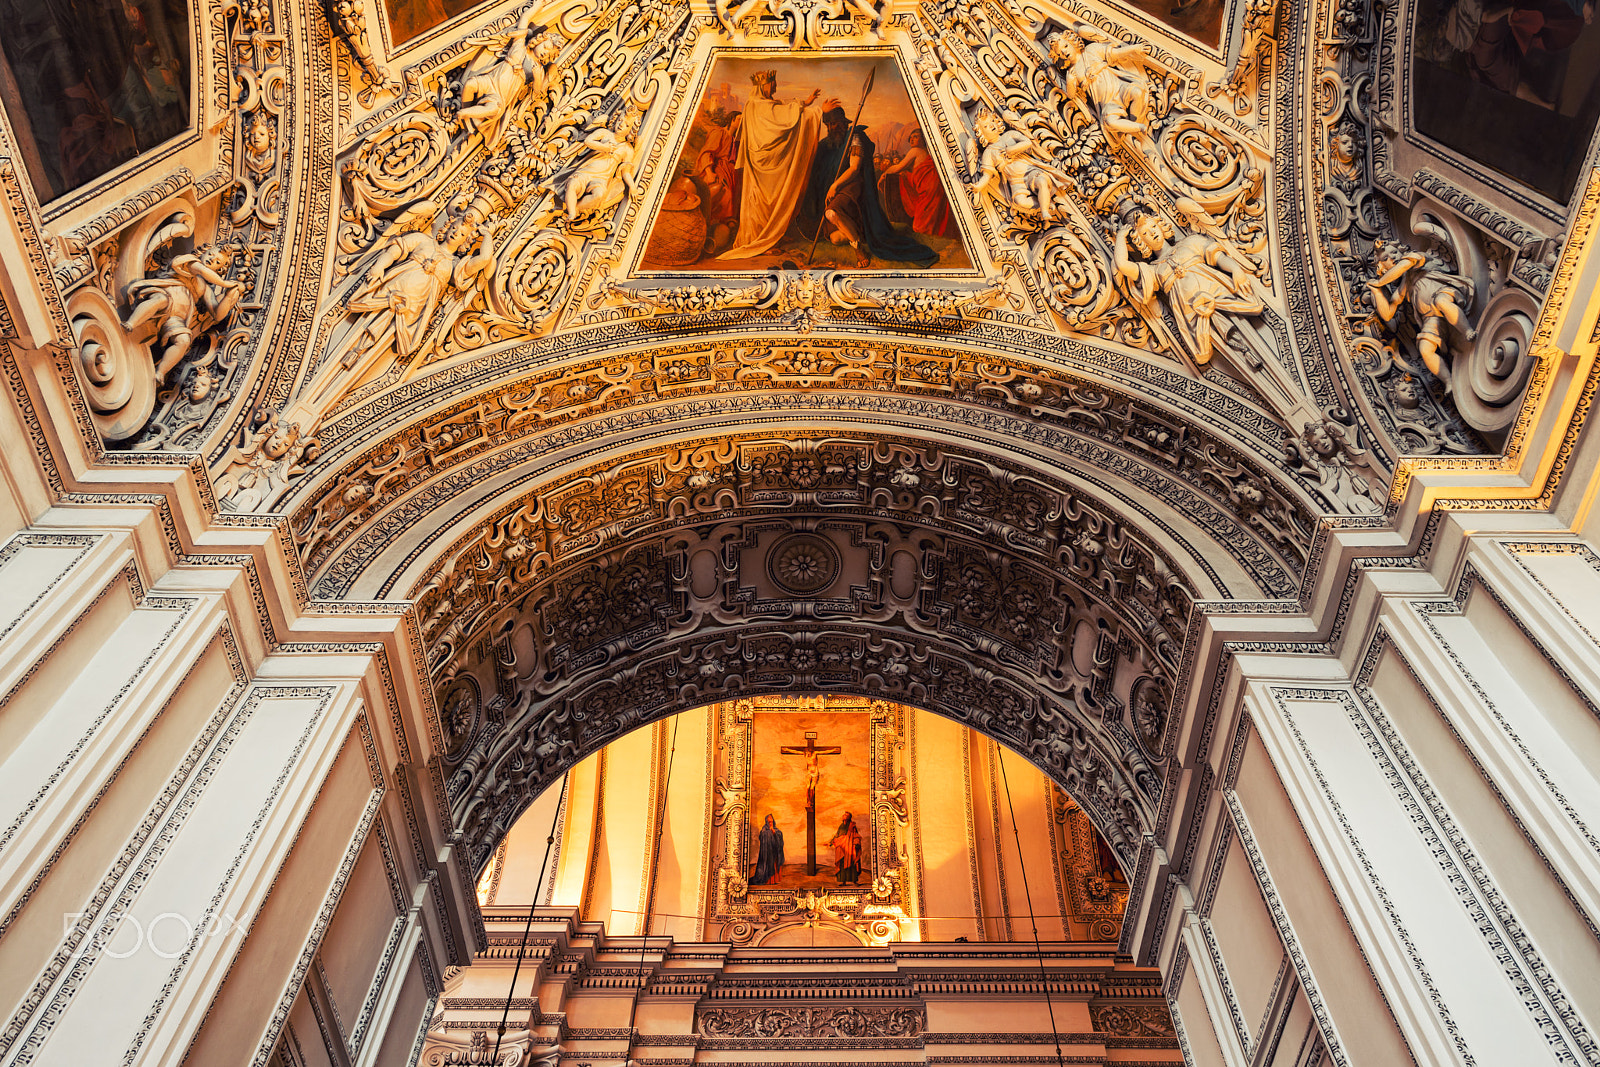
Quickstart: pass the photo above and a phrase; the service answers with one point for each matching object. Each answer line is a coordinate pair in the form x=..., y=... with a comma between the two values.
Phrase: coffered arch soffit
x=879, y=565
x=361, y=523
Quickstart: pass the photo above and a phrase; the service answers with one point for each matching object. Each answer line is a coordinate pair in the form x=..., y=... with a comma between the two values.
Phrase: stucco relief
x=167, y=290
x=849, y=1021
x=1438, y=290
x=1041, y=646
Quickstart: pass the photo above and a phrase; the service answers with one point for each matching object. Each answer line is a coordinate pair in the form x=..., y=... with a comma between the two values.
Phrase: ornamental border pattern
x=1323, y=1021
x=1497, y=924
x=84, y=542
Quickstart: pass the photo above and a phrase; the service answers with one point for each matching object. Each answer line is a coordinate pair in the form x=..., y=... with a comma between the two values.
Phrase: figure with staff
x=851, y=211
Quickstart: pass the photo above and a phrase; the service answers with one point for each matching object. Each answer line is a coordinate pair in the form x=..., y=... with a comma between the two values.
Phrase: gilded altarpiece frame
x=878, y=911
x=1092, y=898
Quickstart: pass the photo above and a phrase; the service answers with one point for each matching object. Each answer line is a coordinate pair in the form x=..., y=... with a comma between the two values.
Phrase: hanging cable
x=522, y=949
x=649, y=896
x=1038, y=950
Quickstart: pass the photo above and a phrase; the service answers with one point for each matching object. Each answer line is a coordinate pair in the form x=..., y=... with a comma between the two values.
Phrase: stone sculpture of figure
x=1209, y=289
x=1435, y=295
x=1109, y=81
x=603, y=174
x=1324, y=451
x=258, y=473
x=846, y=846
x=1344, y=155
x=769, y=854
x=1205, y=287
x=188, y=296
x=490, y=88
x=413, y=269
x=402, y=289
x=1024, y=174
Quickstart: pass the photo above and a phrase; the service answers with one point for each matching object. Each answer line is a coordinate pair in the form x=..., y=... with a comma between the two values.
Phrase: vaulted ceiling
x=1148, y=365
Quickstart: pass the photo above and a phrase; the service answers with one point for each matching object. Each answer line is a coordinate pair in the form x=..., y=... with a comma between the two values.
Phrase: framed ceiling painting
x=1514, y=86
x=413, y=18
x=813, y=821
x=816, y=162
x=88, y=87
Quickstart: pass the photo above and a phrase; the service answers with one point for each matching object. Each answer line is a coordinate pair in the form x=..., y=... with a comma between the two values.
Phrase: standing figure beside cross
x=811, y=752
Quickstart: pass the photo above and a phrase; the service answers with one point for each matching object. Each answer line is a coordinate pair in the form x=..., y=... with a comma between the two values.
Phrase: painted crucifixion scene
x=810, y=797
x=812, y=162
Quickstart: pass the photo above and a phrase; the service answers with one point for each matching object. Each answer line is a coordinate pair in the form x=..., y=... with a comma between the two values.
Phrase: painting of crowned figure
x=816, y=163
x=810, y=799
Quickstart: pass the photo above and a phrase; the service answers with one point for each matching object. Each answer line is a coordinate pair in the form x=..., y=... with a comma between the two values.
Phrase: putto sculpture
x=1016, y=169
x=1422, y=283
x=184, y=299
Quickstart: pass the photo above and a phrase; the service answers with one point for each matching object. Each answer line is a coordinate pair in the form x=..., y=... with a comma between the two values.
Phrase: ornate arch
x=914, y=571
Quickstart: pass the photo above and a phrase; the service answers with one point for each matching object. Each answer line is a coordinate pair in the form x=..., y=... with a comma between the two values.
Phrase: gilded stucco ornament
x=348, y=18
x=457, y=1048
x=167, y=288
x=466, y=214
x=805, y=23
x=1254, y=60
x=169, y=304
x=1143, y=212
x=803, y=299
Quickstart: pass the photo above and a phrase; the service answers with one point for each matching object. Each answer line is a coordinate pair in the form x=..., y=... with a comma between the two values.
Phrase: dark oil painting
x=89, y=85
x=814, y=162
x=1514, y=86
x=413, y=18
x=1200, y=19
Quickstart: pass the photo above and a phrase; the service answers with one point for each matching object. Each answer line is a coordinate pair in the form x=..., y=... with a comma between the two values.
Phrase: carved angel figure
x=490, y=87
x=603, y=174
x=1109, y=81
x=1345, y=153
x=410, y=275
x=186, y=298
x=1422, y=281
x=1325, y=452
x=258, y=472
x=1016, y=168
x=1205, y=287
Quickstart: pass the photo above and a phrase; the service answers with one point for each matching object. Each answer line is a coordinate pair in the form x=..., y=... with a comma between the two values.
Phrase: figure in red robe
x=847, y=851
x=921, y=192
x=716, y=166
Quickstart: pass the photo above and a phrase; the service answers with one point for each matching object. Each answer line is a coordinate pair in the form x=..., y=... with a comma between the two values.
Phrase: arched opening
x=722, y=839
x=750, y=800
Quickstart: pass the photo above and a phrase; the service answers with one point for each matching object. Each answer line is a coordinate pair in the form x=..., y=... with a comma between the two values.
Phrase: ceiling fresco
x=845, y=181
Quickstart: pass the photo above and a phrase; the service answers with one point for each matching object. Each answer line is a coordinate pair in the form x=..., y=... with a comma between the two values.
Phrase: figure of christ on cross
x=811, y=752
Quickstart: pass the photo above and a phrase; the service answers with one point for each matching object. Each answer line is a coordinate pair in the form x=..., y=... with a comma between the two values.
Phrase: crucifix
x=811, y=752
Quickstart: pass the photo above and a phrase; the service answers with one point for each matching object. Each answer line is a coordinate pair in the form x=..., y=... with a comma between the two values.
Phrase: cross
x=811, y=752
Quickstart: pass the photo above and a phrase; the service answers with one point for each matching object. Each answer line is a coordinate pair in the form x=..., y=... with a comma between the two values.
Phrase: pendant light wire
x=527, y=927
x=649, y=897
x=1038, y=950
